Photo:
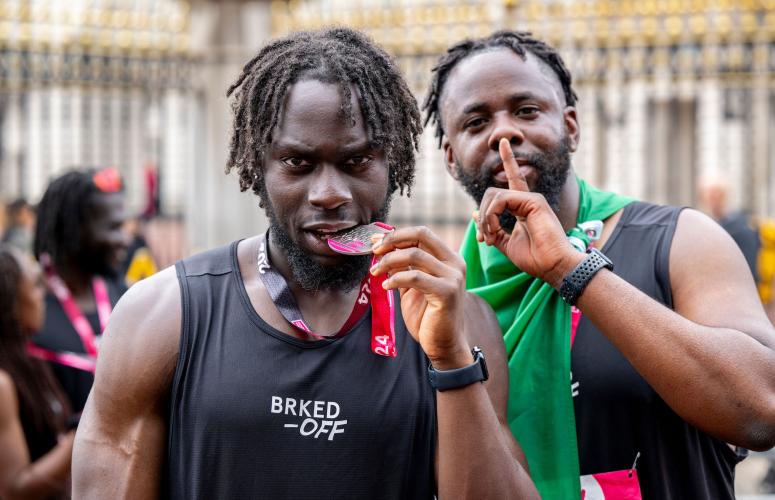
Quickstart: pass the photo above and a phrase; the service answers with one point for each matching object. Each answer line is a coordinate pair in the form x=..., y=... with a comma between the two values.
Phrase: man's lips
x=499, y=175
x=325, y=230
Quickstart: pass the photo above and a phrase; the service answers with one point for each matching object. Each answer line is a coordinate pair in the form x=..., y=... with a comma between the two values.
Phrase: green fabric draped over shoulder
x=535, y=323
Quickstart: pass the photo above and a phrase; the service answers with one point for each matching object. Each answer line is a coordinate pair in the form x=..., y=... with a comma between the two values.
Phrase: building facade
x=670, y=91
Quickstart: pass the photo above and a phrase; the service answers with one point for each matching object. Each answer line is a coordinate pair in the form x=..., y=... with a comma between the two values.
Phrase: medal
x=383, y=337
x=357, y=241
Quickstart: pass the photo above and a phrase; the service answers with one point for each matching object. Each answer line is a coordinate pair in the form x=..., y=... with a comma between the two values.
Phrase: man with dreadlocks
x=79, y=241
x=277, y=368
x=669, y=355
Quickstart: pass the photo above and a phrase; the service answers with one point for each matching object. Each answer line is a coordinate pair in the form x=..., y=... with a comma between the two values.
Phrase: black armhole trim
x=663, y=256
x=183, y=354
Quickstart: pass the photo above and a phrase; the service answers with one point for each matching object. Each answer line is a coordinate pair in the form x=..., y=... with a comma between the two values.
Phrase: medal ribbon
x=80, y=324
x=371, y=292
x=71, y=359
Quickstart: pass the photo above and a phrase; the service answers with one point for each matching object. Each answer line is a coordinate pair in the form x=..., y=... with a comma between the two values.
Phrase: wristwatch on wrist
x=577, y=280
x=444, y=380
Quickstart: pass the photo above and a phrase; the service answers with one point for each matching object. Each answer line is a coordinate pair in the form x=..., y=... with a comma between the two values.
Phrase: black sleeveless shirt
x=617, y=413
x=256, y=413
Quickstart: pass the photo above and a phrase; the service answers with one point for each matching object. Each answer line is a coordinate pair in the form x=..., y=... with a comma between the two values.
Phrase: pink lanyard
x=74, y=313
x=71, y=359
x=383, y=340
x=81, y=325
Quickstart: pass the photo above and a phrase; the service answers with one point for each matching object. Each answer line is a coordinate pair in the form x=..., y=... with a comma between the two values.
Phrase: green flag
x=535, y=323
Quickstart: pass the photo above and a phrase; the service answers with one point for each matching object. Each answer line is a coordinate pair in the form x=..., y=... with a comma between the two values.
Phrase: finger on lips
x=517, y=181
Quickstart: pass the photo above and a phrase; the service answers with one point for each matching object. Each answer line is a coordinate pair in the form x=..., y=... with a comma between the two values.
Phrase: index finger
x=517, y=181
x=420, y=237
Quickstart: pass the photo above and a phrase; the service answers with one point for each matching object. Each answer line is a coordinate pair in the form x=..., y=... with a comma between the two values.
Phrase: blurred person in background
x=637, y=345
x=20, y=225
x=713, y=195
x=80, y=243
x=35, y=445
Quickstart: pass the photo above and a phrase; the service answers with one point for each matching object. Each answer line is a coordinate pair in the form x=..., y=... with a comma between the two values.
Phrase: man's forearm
x=475, y=459
x=116, y=468
x=718, y=379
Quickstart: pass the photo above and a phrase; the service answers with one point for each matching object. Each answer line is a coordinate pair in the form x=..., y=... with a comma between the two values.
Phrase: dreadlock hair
x=337, y=55
x=520, y=42
x=36, y=387
x=62, y=215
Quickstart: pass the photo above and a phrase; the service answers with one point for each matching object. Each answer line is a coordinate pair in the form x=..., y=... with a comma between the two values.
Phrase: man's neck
x=569, y=202
x=77, y=281
x=319, y=305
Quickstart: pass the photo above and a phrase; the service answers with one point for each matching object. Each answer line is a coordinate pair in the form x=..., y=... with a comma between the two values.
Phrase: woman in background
x=35, y=446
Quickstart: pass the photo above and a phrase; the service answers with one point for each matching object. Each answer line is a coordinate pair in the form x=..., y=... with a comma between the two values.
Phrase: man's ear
x=449, y=158
x=572, y=126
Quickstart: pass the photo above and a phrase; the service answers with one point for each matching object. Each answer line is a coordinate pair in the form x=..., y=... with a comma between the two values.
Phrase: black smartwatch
x=577, y=280
x=444, y=380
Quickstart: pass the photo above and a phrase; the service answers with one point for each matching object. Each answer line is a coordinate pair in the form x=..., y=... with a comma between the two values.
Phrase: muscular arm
x=711, y=359
x=121, y=441
x=19, y=478
x=478, y=456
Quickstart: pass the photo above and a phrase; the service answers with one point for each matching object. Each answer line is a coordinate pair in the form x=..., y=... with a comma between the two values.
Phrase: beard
x=99, y=261
x=313, y=276
x=552, y=167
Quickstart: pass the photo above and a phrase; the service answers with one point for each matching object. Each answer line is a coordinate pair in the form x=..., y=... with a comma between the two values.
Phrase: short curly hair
x=336, y=55
x=521, y=42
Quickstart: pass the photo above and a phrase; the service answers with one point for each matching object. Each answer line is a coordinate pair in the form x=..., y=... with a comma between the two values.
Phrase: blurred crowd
x=65, y=262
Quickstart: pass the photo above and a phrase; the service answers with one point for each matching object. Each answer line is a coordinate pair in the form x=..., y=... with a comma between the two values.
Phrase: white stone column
x=56, y=128
x=227, y=35
x=763, y=153
x=33, y=162
x=634, y=155
x=709, y=119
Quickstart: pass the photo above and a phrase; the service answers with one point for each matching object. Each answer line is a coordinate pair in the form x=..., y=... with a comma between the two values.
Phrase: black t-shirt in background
x=59, y=335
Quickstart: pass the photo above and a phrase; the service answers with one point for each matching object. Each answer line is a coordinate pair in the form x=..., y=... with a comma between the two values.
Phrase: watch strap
x=444, y=380
x=576, y=281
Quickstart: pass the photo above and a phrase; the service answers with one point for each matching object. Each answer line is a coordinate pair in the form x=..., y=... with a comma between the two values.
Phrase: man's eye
x=476, y=122
x=295, y=162
x=528, y=110
x=359, y=161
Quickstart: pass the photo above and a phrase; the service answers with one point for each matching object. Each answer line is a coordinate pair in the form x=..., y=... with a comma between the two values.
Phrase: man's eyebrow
x=478, y=107
x=358, y=147
x=302, y=148
x=291, y=144
x=475, y=107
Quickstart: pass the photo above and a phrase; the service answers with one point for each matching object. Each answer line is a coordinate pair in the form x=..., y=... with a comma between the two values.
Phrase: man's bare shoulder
x=144, y=331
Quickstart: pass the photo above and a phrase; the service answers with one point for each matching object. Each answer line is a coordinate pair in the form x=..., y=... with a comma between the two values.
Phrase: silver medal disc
x=357, y=241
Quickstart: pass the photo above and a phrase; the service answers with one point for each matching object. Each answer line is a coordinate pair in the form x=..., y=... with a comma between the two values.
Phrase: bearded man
x=647, y=312
x=276, y=367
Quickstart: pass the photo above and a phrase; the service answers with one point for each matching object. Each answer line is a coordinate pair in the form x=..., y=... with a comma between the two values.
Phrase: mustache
x=533, y=159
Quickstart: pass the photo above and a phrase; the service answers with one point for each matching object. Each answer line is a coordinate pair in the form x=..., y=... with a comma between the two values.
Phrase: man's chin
x=314, y=268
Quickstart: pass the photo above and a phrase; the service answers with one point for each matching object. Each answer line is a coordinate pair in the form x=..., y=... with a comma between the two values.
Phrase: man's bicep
x=120, y=444
x=710, y=279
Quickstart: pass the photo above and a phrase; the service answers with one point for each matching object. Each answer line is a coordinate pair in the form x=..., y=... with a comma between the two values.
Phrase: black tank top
x=58, y=335
x=256, y=413
x=617, y=413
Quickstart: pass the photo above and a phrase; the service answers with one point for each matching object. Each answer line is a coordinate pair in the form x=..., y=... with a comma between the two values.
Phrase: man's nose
x=329, y=188
x=505, y=126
